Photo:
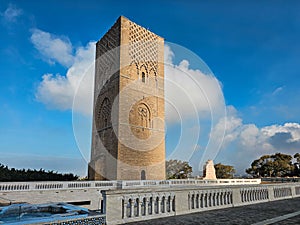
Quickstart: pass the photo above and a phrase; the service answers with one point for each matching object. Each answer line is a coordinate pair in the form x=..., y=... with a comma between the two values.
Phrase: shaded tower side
x=141, y=147
x=103, y=164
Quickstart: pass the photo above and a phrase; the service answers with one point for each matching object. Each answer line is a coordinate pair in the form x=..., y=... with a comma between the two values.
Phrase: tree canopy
x=12, y=174
x=276, y=165
x=224, y=171
x=176, y=169
x=297, y=157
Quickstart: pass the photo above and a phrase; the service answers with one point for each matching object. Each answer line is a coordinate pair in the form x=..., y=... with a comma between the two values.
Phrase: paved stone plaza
x=252, y=214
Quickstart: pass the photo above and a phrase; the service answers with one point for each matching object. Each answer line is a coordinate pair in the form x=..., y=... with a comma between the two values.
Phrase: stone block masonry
x=128, y=120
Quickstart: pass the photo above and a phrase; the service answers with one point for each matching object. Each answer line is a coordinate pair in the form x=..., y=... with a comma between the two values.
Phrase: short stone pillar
x=209, y=172
x=146, y=207
x=132, y=208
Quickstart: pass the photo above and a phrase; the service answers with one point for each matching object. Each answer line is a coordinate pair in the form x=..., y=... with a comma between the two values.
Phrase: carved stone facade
x=128, y=122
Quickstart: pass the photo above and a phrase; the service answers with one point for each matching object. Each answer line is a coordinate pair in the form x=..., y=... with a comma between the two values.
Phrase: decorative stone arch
x=134, y=70
x=152, y=73
x=140, y=120
x=145, y=115
x=143, y=73
x=104, y=114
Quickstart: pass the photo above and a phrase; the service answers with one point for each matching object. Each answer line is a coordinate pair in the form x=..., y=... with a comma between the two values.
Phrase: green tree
x=297, y=157
x=13, y=174
x=277, y=165
x=176, y=169
x=224, y=171
x=297, y=165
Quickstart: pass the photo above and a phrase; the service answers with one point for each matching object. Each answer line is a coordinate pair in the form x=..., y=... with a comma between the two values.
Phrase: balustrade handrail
x=56, y=185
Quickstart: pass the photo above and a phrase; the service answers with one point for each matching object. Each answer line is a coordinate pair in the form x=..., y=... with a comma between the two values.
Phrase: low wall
x=144, y=204
x=88, y=193
x=57, y=185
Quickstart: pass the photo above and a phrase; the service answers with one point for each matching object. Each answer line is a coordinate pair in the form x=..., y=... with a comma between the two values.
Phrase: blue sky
x=252, y=47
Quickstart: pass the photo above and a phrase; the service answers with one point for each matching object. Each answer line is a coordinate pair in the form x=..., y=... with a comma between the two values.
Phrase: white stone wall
x=124, y=206
x=90, y=191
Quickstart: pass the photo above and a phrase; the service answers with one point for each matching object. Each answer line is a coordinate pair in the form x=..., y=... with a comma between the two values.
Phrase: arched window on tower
x=143, y=73
x=104, y=114
x=145, y=117
x=143, y=175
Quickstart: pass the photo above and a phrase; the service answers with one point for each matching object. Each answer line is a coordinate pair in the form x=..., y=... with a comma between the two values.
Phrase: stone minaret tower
x=128, y=139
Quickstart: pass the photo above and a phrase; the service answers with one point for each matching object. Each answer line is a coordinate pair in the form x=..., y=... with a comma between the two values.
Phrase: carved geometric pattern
x=144, y=115
x=108, y=50
x=140, y=120
x=143, y=47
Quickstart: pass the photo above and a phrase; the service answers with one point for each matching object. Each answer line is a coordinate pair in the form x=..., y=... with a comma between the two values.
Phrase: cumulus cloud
x=58, y=91
x=245, y=142
x=11, y=14
x=200, y=93
x=53, y=48
x=224, y=131
x=190, y=92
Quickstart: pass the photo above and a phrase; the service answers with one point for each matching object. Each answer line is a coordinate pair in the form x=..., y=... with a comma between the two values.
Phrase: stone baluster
x=153, y=204
x=207, y=200
x=146, y=207
x=125, y=209
x=159, y=208
x=140, y=206
x=132, y=208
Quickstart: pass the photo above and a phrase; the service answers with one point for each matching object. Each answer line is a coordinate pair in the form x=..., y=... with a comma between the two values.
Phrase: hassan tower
x=128, y=135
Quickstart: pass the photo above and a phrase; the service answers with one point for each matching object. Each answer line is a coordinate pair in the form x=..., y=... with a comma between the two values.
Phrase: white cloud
x=11, y=13
x=53, y=48
x=249, y=135
x=292, y=128
x=190, y=92
x=199, y=93
x=245, y=142
x=224, y=131
x=277, y=90
x=58, y=91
